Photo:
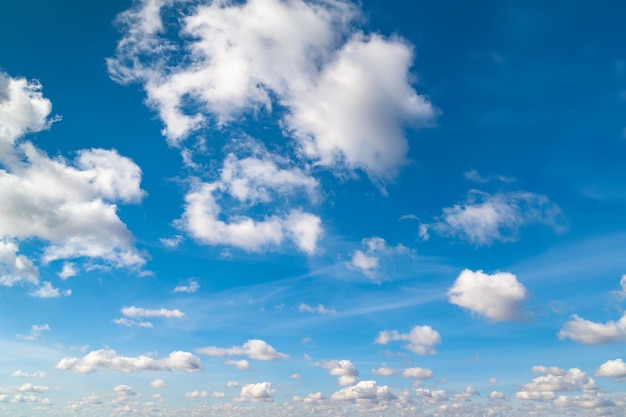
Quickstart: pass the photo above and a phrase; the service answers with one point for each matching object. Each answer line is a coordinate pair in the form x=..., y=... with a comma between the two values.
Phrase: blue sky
x=331, y=208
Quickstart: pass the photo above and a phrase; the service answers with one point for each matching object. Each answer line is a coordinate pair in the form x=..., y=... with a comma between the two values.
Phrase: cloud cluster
x=319, y=309
x=485, y=218
x=108, y=359
x=260, y=392
x=367, y=395
x=246, y=182
x=69, y=205
x=376, y=249
x=498, y=297
x=346, y=95
x=421, y=339
x=556, y=380
x=253, y=349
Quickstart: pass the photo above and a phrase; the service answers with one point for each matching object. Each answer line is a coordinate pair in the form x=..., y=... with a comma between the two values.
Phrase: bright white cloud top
x=270, y=208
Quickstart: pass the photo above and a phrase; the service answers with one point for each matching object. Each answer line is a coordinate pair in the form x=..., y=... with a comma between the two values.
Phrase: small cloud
x=242, y=364
x=191, y=287
x=35, y=332
x=48, y=291
x=171, y=242
x=158, y=383
x=254, y=349
x=21, y=374
x=69, y=270
x=421, y=339
x=319, y=309
x=260, y=392
x=137, y=312
x=123, y=321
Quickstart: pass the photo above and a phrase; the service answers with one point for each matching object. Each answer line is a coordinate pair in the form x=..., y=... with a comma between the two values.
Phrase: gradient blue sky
x=329, y=208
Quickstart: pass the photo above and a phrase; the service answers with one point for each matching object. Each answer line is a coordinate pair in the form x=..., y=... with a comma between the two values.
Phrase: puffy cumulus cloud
x=158, y=383
x=312, y=398
x=253, y=349
x=23, y=109
x=14, y=268
x=246, y=182
x=48, y=291
x=191, y=287
x=353, y=114
x=36, y=330
x=592, y=333
x=242, y=364
x=259, y=392
x=347, y=95
x=70, y=205
x=498, y=297
x=22, y=374
x=612, y=369
x=417, y=373
x=137, y=312
x=107, y=358
x=124, y=391
x=344, y=369
x=365, y=263
x=557, y=380
x=197, y=394
x=496, y=396
x=319, y=309
x=366, y=395
x=421, y=339
x=431, y=396
x=484, y=218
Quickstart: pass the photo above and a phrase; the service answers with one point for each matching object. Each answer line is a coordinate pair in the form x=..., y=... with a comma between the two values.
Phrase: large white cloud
x=484, y=218
x=367, y=395
x=254, y=349
x=612, y=369
x=421, y=339
x=347, y=95
x=498, y=297
x=592, y=333
x=70, y=205
x=108, y=359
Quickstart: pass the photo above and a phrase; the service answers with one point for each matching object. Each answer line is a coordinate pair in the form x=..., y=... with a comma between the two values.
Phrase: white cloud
x=14, y=268
x=107, y=358
x=35, y=331
x=612, y=369
x=123, y=321
x=421, y=339
x=496, y=396
x=260, y=178
x=191, y=287
x=320, y=309
x=69, y=205
x=158, y=383
x=417, y=373
x=344, y=369
x=22, y=374
x=253, y=349
x=431, y=396
x=367, y=395
x=242, y=364
x=376, y=249
x=23, y=109
x=69, y=270
x=498, y=297
x=556, y=380
x=48, y=291
x=592, y=333
x=347, y=101
x=366, y=263
x=197, y=394
x=137, y=312
x=312, y=398
x=171, y=242
x=484, y=218
x=383, y=371
x=352, y=116
x=260, y=392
